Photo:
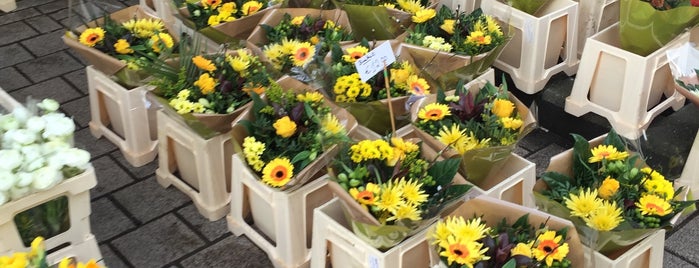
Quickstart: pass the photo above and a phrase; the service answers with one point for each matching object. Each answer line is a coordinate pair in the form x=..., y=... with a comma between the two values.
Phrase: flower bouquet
x=38, y=154
x=213, y=88
x=223, y=21
x=450, y=39
x=385, y=20
x=684, y=63
x=487, y=232
x=528, y=6
x=290, y=134
x=119, y=43
x=613, y=199
x=368, y=101
x=647, y=25
x=292, y=37
x=393, y=188
x=481, y=126
x=36, y=258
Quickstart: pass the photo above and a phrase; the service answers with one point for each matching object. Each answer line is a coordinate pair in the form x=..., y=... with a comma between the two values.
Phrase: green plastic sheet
x=644, y=29
x=529, y=6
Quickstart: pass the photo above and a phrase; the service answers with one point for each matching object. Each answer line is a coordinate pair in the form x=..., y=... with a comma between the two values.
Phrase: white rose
x=34, y=165
x=35, y=124
x=19, y=192
x=45, y=178
x=58, y=126
x=24, y=179
x=52, y=146
x=31, y=152
x=21, y=114
x=7, y=122
x=7, y=180
x=48, y=105
x=72, y=157
x=16, y=137
x=11, y=159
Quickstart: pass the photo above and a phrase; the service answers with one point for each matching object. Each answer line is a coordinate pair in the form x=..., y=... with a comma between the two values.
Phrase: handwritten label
x=374, y=61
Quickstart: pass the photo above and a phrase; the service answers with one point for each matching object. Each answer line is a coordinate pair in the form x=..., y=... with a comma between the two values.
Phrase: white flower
x=21, y=114
x=34, y=165
x=19, y=136
x=48, y=105
x=19, y=192
x=11, y=159
x=7, y=180
x=49, y=147
x=24, y=179
x=31, y=152
x=72, y=157
x=4, y=197
x=46, y=177
x=7, y=122
x=58, y=126
x=35, y=124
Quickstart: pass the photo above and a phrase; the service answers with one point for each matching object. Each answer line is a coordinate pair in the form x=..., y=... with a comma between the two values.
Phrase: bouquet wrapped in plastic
x=646, y=25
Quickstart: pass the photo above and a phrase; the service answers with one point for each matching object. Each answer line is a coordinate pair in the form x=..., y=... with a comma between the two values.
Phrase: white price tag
x=374, y=61
x=373, y=261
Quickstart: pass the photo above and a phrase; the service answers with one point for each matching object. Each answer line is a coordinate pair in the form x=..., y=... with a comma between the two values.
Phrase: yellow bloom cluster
x=144, y=28
x=657, y=184
x=457, y=239
x=436, y=43
x=253, y=149
x=348, y=87
x=310, y=97
x=226, y=13
x=182, y=105
x=371, y=149
x=161, y=40
x=396, y=201
x=420, y=13
x=461, y=140
x=482, y=35
x=597, y=213
x=330, y=125
x=289, y=53
x=36, y=257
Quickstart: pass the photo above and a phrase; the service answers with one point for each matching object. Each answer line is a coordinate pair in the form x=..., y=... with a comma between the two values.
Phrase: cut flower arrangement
x=392, y=188
x=476, y=124
x=206, y=13
x=36, y=258
x=647, y=25
x=290, y=135
x=612, y=197
x=385, y=20
x=470, y=242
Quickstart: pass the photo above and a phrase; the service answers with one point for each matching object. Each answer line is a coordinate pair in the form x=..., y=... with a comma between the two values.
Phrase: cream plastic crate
x=286, y=218
x=196, y=166
x=622, y=86
x=8, y=5
x=515, y=181
x=7, y=102
x=334, y=244
x=594, y=16
x=123, y=116
x=690, y=173
x=78, y=238
x=646, y=254
x=531, y=56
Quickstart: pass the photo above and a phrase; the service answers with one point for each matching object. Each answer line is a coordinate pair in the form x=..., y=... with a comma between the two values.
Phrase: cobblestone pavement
x=138, y=223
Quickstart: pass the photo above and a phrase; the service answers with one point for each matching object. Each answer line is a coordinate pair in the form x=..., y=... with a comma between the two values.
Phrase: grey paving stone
x=671, y=260
x=55, y=88
x=678, y=242
x=78, y=57
x=230, y=252
x=110, y=259
x=13, y=54
x=96, y=147
x=11, y=79
x=53, y=6
x=49, y=66
x=79, y=79
x=18, y=15
x=30, y=3
x=44, y=24
x=14, y=32
x=146, y=200
x=212, y=230
x=521, y=151
x=109, y=176
x=542, y=157
x=107, y=221
x=60, y=15
x=141, y=172
x=46, y=43
x=158, y=243
x=79, y=110
x=538, y=139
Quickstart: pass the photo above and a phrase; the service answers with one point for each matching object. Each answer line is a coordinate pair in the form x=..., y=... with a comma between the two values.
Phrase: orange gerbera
x=212, y=4
x=303, y=53
x=434, y=112
x=278, y=172
x=417, y=86
x=92, y=36
x=355, y=53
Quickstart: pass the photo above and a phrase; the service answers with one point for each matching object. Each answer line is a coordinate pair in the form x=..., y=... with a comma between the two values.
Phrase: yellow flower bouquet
x=613, y=199
x=393, y=188
x=385, y=19
x=119, y=43
x=290, y=134
x=36, y=258
x=448, y=40
x=487, y=232
x=481, y=126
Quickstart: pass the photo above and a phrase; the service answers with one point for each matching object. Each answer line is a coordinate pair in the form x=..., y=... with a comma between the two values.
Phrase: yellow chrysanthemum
x=451, y=135
x=390, y=198
x=213, y=20
x=470, y=142
x=511, y=123
x=653, y=205
x=433, y=112
x=463, y=252
x=123, y=47
x=442, y=231
x=412, y=191
x=204, y=63
x=239, y=64
x=478, y=38
x=388, y=5
x=161, y=39
x=424, y=15
x=285, y=127
x=448, y=26
x=548, y=248
x=608, y=152
x=278, y=172
x=144, y=28
x=253, y=149
x=303, y=53
x=492, y=26
x=275, y=53
x=469, y=230
x=206, y=84
x=329, y=24
x=417, y=85
x=606, y=217
x=92, y=36
x=355, y=53
x=523, y=249
x=297, y=20
x=410, y=6
x=660, y=187
x=310, y=97
x=503, y=108
x=251, y=7
x=654, y=175
x=584, y=203
x=403, y=145
x=331, y=125
x=608, y=188
x=405, y=212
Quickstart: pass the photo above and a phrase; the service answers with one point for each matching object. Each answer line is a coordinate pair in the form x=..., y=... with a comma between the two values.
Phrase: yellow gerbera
x=606, y=217
x=123, y=47
x=584, y=203
x=161, y=39
x=608, y=188
x=92, y=36
x=278, y=172
x=206, y=84
x=251, y=7
x=204, y=63
x=523, y=249
x=653, y=205
x=503, y=108
x=424, y=15
x=448, y=26
x=417, y=85
x=464, y=252
x=608, y=152
x=355, y=53
x=228, y=8
x=433, y=112
x=410, y=6
x=548, y=248
x=211, y=4
x=285, y=127
x=303, y=53
x=451, y=135
x=366, y=196
x=478, y=38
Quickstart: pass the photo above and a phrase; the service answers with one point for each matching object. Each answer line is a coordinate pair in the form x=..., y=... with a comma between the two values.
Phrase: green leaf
x=510, y=264
x=443, y=171
x=615, y=140
x=581, y=153
x=303, y=155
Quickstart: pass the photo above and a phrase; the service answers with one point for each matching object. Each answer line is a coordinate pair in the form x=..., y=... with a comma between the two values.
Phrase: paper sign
x=374, y=61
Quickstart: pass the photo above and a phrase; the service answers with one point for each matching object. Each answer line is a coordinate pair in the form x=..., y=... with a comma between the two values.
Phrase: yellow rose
x=503, y=108
x=285, y=127
x=608, y=188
